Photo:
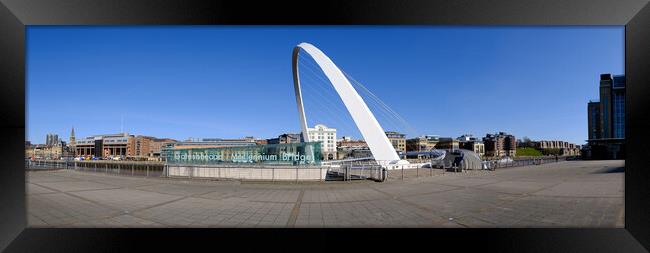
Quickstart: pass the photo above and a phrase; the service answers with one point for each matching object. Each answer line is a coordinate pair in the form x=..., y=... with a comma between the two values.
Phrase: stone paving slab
x=415, y=187
x=565, y=194
x=45, y=176
x=584, y=189
x=35, y=189
x=61, y=210
x=177, y=189
x=126, y=199
x=517, y=187
x=68, y=186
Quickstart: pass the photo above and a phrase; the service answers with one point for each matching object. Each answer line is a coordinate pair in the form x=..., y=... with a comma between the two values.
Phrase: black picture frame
x=16, y=14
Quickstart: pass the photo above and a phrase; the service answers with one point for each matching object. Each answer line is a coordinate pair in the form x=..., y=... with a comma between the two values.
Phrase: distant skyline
x=235, y=81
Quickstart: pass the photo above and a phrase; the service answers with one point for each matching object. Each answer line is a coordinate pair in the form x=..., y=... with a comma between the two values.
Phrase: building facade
x=327, y=137
x=347, y=148
x=564, y=148
x=43, y=151
x=593, y=120
x=448, y=143
x=106, y=145
x=422, y=144
x=157, y=144
x=500, y=144
x=143, y=145
x=286, y=138
x=52, y=139
x=398, y=140
x=606, y=120
x=472, y=143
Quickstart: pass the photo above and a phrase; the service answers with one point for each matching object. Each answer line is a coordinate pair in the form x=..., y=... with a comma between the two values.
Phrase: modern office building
x=398, y=140
x=606, y=120
x=106, y=145
x=327, y=137
x=500, y=144
x=85, y=147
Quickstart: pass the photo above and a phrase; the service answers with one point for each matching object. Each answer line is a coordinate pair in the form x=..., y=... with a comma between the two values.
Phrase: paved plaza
x=564, y=194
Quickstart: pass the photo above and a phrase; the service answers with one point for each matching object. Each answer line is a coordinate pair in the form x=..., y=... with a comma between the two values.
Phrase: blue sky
x=211, y=81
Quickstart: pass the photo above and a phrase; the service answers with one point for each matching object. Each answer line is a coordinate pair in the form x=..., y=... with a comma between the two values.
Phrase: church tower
x=72, y=139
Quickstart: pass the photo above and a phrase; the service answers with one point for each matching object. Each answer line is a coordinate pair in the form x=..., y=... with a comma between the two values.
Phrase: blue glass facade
x=305, y=153
x=618, y=107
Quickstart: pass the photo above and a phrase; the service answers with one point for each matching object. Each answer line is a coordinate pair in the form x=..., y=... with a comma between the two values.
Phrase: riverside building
x=606, y=120
x=327, y=137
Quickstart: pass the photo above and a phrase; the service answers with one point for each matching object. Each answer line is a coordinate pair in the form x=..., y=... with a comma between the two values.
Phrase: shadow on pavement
x=610, y=170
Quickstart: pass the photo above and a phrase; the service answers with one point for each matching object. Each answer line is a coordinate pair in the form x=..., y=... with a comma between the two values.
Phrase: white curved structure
x=373, y=134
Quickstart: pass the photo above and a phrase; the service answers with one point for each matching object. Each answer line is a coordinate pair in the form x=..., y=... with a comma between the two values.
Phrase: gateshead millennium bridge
x=380, y=147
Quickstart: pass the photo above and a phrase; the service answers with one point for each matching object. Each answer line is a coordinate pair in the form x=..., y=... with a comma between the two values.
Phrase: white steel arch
x=372, y=132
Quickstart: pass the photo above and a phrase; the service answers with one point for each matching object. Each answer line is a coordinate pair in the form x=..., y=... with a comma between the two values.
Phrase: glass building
x=305, y=153
x=618, y=107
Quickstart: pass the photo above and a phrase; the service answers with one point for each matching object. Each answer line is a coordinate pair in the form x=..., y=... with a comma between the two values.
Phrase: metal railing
x=161, y=169
x=519, y=162
x=144, y=169
x=400, y=172
x=356, y=171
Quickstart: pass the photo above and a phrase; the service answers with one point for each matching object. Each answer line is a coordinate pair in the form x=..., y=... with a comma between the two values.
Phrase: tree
x=525, y=142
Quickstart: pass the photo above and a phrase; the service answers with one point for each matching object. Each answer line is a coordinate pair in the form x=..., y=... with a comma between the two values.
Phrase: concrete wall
x=250, y=173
